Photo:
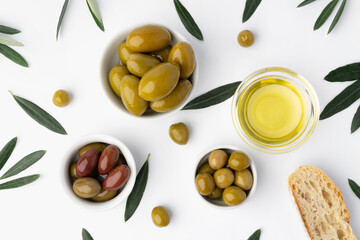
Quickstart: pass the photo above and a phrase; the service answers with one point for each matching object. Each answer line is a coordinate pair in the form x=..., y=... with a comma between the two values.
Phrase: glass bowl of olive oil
x=275, y=110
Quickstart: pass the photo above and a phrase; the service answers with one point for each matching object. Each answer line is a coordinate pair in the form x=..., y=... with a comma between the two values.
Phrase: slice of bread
x=321, y=205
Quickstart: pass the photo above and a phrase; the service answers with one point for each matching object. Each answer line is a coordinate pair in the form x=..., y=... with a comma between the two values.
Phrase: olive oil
x=272, y=111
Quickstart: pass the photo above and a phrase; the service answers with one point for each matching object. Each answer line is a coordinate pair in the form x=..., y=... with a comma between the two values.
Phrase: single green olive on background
x=159, y=81
x=148, y=38
x=99, y=147
x=162, y=54
x=179, y=133
x=124, y=53
x=61, y=98
x=239, y=161
x=86, y=187
x=205, y=168
x=129, y=91
x=233, y=195
x=217, y=159
x=224, y=177
x=138, y=64
x=160, y=216
x=104, y=195
x=174, y=99
x=115, y=76
x=245, y=38
x=183, y=54
x=244, y=179
x=205, y=184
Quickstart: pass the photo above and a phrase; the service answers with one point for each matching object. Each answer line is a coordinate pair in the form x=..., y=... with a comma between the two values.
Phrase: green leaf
x=8, y=30
x=212, y=97
x=354, y=187
x=306, y=2
x=63, y=10
x=250, y=8
x=337, y=17
x=188, y=20
x=19, y=182
x=86, y=235
x=6, y=151
x=325, y=14
x=39, y=115
x=348, y=72
x=95, y=13
x=13, y=55
x=136, y=194
x=9, y=41
x=356, y=121
x=23, y=164
x=255, y=235
x=347, y=97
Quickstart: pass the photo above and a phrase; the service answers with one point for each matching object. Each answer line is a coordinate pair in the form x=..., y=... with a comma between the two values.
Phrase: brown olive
x=109, y=158
x=244, y=179
x=117, y=178
x=223, y=177
x=73, y=170
x=233, y=195
x=104, y=195
x=239, y=161
x=86, y=187
x=87, y=163
x=206, y=169
x=61, y=98
x=92, y=146
x=216, y=194
x=160, y=216
x=217, y=159
x=245, y=38
x=179, y=133
x=205, y=184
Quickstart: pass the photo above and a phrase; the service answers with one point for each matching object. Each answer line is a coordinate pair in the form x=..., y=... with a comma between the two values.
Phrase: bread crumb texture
x=321, y=205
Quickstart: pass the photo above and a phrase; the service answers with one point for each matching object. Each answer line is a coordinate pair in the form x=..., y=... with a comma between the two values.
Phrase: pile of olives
x=100, y=172
x=227, y=178
x=152, y=72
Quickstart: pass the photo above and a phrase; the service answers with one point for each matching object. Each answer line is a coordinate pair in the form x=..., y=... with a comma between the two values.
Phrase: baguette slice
x=321, y=205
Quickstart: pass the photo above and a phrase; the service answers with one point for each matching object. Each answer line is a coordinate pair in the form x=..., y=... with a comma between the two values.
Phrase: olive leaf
x=39, y=115
x=13, y=55
x=250, y=8
x=348, y=72
x=137, y=192
x=255, y=235
x=95, y=13
x=86, y=235
x=63, y=10
x=325, y=14
x=188, y=20
x=6, y=152
x=8, y=30
x=213, y=97
x=306, y=2
x=337, y=16
x=24, y=163
x=9, y=41
x=19, y=182
x=356, y=121
x=354, y=187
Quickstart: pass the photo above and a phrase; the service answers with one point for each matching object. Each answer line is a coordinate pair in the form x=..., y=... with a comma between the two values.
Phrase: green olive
x=159, y=81
x=206, y=169
x=205, y=184
x=183, y=54
x=223, y=177
x=130, y=97
x=217, y=159
x=61, y=98
x=115, y=75
x=124, y=53
x=239, y=161
x=138, y=64
x=92, y=146
x=244, y=179
x=73, y=170
x=245, y=38
x=162, y=54
x=233, y=195
x=86, y=187
x=216, y=194
x=179, y=133
x=174, y=99
x=148, y=38
x=160, y=216
x=104, y=195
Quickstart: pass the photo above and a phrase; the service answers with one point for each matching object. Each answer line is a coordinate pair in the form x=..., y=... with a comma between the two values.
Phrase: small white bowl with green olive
x=225, y=177
x=149, y=71
x=98, y=172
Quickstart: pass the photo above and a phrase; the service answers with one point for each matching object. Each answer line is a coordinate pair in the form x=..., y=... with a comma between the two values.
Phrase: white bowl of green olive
x=225, y=176
x=150, y=78
x=98, y=172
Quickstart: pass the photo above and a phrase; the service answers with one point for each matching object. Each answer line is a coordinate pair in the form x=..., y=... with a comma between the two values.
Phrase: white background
x=284, y=37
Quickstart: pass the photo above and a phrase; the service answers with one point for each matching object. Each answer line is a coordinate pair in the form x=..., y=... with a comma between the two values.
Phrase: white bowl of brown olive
x=225, y=176
x=149, y=71
x=99, y=172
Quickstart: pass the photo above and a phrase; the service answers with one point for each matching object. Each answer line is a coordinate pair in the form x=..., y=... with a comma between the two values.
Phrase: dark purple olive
x=109, y=159
x=87, y=163
x=117, y=178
